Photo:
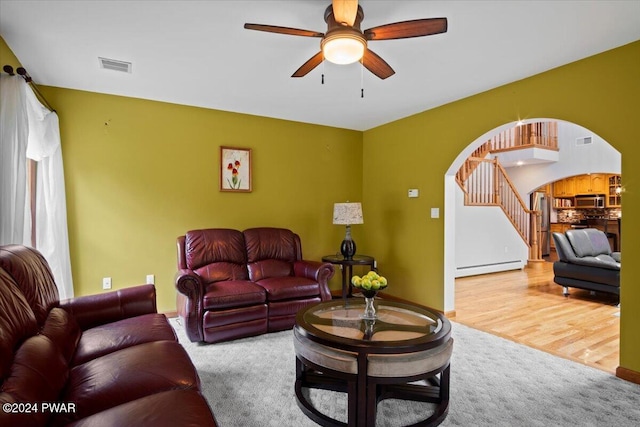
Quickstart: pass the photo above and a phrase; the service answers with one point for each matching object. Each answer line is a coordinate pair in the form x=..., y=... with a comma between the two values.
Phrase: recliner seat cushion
x=600, y=261
x=284, y=288
x=231, y=294
x=126, y=375
x=105, y=339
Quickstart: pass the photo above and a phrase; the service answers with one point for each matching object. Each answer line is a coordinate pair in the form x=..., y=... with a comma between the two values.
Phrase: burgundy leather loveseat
x=234, y=284
x=100, y=360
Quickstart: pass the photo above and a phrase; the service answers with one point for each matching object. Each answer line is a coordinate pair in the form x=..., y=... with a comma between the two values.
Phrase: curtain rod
x=27, y=78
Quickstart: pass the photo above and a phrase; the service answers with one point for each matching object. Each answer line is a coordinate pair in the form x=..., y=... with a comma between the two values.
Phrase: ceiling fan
x=345, y=43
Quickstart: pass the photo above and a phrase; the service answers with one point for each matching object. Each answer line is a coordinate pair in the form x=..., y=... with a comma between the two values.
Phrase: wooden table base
x=362, y=404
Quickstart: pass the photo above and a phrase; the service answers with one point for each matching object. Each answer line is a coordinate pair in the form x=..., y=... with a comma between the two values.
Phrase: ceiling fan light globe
x=343, y=49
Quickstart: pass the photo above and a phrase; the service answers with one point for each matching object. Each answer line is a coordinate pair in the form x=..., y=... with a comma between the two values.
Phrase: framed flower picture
x=235, y=169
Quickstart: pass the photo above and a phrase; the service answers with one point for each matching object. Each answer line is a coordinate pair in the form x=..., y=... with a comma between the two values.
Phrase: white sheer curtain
x=14, y=132
x=32, y=131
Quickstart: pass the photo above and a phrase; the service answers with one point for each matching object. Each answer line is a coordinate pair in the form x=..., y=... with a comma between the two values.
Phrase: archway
x=600, y=157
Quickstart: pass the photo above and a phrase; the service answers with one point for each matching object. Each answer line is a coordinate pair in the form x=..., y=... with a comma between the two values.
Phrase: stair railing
x=469, y=165
x=488, y=184
x=485, y=182
x=539, y=135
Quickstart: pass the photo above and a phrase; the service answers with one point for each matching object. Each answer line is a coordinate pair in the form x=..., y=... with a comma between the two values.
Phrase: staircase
x=485, y=182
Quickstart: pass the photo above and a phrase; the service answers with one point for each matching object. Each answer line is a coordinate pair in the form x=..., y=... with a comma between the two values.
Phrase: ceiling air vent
x=115, y=65
x=585, y=140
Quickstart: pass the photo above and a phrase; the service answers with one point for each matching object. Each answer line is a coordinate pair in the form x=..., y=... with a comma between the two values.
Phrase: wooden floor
x=527, y=307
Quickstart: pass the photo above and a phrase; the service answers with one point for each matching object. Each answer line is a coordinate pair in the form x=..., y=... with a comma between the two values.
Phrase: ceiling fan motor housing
x=342, y=43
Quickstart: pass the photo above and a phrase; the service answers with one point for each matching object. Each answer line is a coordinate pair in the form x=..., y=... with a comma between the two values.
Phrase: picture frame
x=235, y=169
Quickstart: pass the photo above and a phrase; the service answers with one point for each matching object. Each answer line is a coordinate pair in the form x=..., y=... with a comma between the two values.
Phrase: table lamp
x=347, y=214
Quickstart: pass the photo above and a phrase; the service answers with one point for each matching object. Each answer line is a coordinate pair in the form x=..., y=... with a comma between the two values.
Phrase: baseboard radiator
x=472, y=270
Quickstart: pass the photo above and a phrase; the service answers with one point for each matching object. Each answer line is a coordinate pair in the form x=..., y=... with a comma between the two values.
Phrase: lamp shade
x=347, y=213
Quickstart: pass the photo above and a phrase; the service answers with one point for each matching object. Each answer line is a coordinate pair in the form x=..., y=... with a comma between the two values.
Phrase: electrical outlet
x=151, y=279
x=106, y=283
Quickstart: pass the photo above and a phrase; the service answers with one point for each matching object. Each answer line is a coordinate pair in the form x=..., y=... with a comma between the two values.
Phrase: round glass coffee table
x=403, y=354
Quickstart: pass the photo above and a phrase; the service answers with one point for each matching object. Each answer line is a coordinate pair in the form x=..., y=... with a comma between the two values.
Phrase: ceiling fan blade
x=406, y=29
x=309, y=65
x=345, y=11
x=283, y=30
x=377, y=65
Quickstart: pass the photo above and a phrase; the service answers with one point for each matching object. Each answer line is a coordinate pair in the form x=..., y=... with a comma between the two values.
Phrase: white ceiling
x=198, y=53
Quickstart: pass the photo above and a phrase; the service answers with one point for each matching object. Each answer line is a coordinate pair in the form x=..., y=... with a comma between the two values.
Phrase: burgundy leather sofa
x=234, y=284
x=100, y=360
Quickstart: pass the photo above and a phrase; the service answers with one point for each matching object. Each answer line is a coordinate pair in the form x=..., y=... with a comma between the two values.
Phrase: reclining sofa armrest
x=190, y=293
x=321, y=272
x=564, y=248
x=99, y=309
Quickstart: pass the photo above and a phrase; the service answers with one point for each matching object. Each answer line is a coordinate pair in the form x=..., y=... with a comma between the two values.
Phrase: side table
x=347, y=268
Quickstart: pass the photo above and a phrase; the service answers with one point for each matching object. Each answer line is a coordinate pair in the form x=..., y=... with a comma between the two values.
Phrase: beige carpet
x=494, y=382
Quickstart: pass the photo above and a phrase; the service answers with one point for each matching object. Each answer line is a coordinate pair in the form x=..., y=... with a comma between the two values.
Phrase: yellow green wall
x=600, y=93
x=140, y=173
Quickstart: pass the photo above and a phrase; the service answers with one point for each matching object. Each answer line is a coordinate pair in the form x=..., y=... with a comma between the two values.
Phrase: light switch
x=413, y=192
x=435, y=212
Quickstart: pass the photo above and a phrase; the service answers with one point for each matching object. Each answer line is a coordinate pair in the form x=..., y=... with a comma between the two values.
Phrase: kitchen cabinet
x=614, y=193
x=595, y=183
x=564, y=187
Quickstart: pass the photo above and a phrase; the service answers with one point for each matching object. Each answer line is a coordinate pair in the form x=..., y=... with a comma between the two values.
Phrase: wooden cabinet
x=614, y=191
x=564, y=187
x=595, y=183
x=583, y=182
x=599, y=183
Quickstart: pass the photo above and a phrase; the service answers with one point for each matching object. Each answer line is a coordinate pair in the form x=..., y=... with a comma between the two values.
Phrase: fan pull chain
x=323, y=71
x=362, y=78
